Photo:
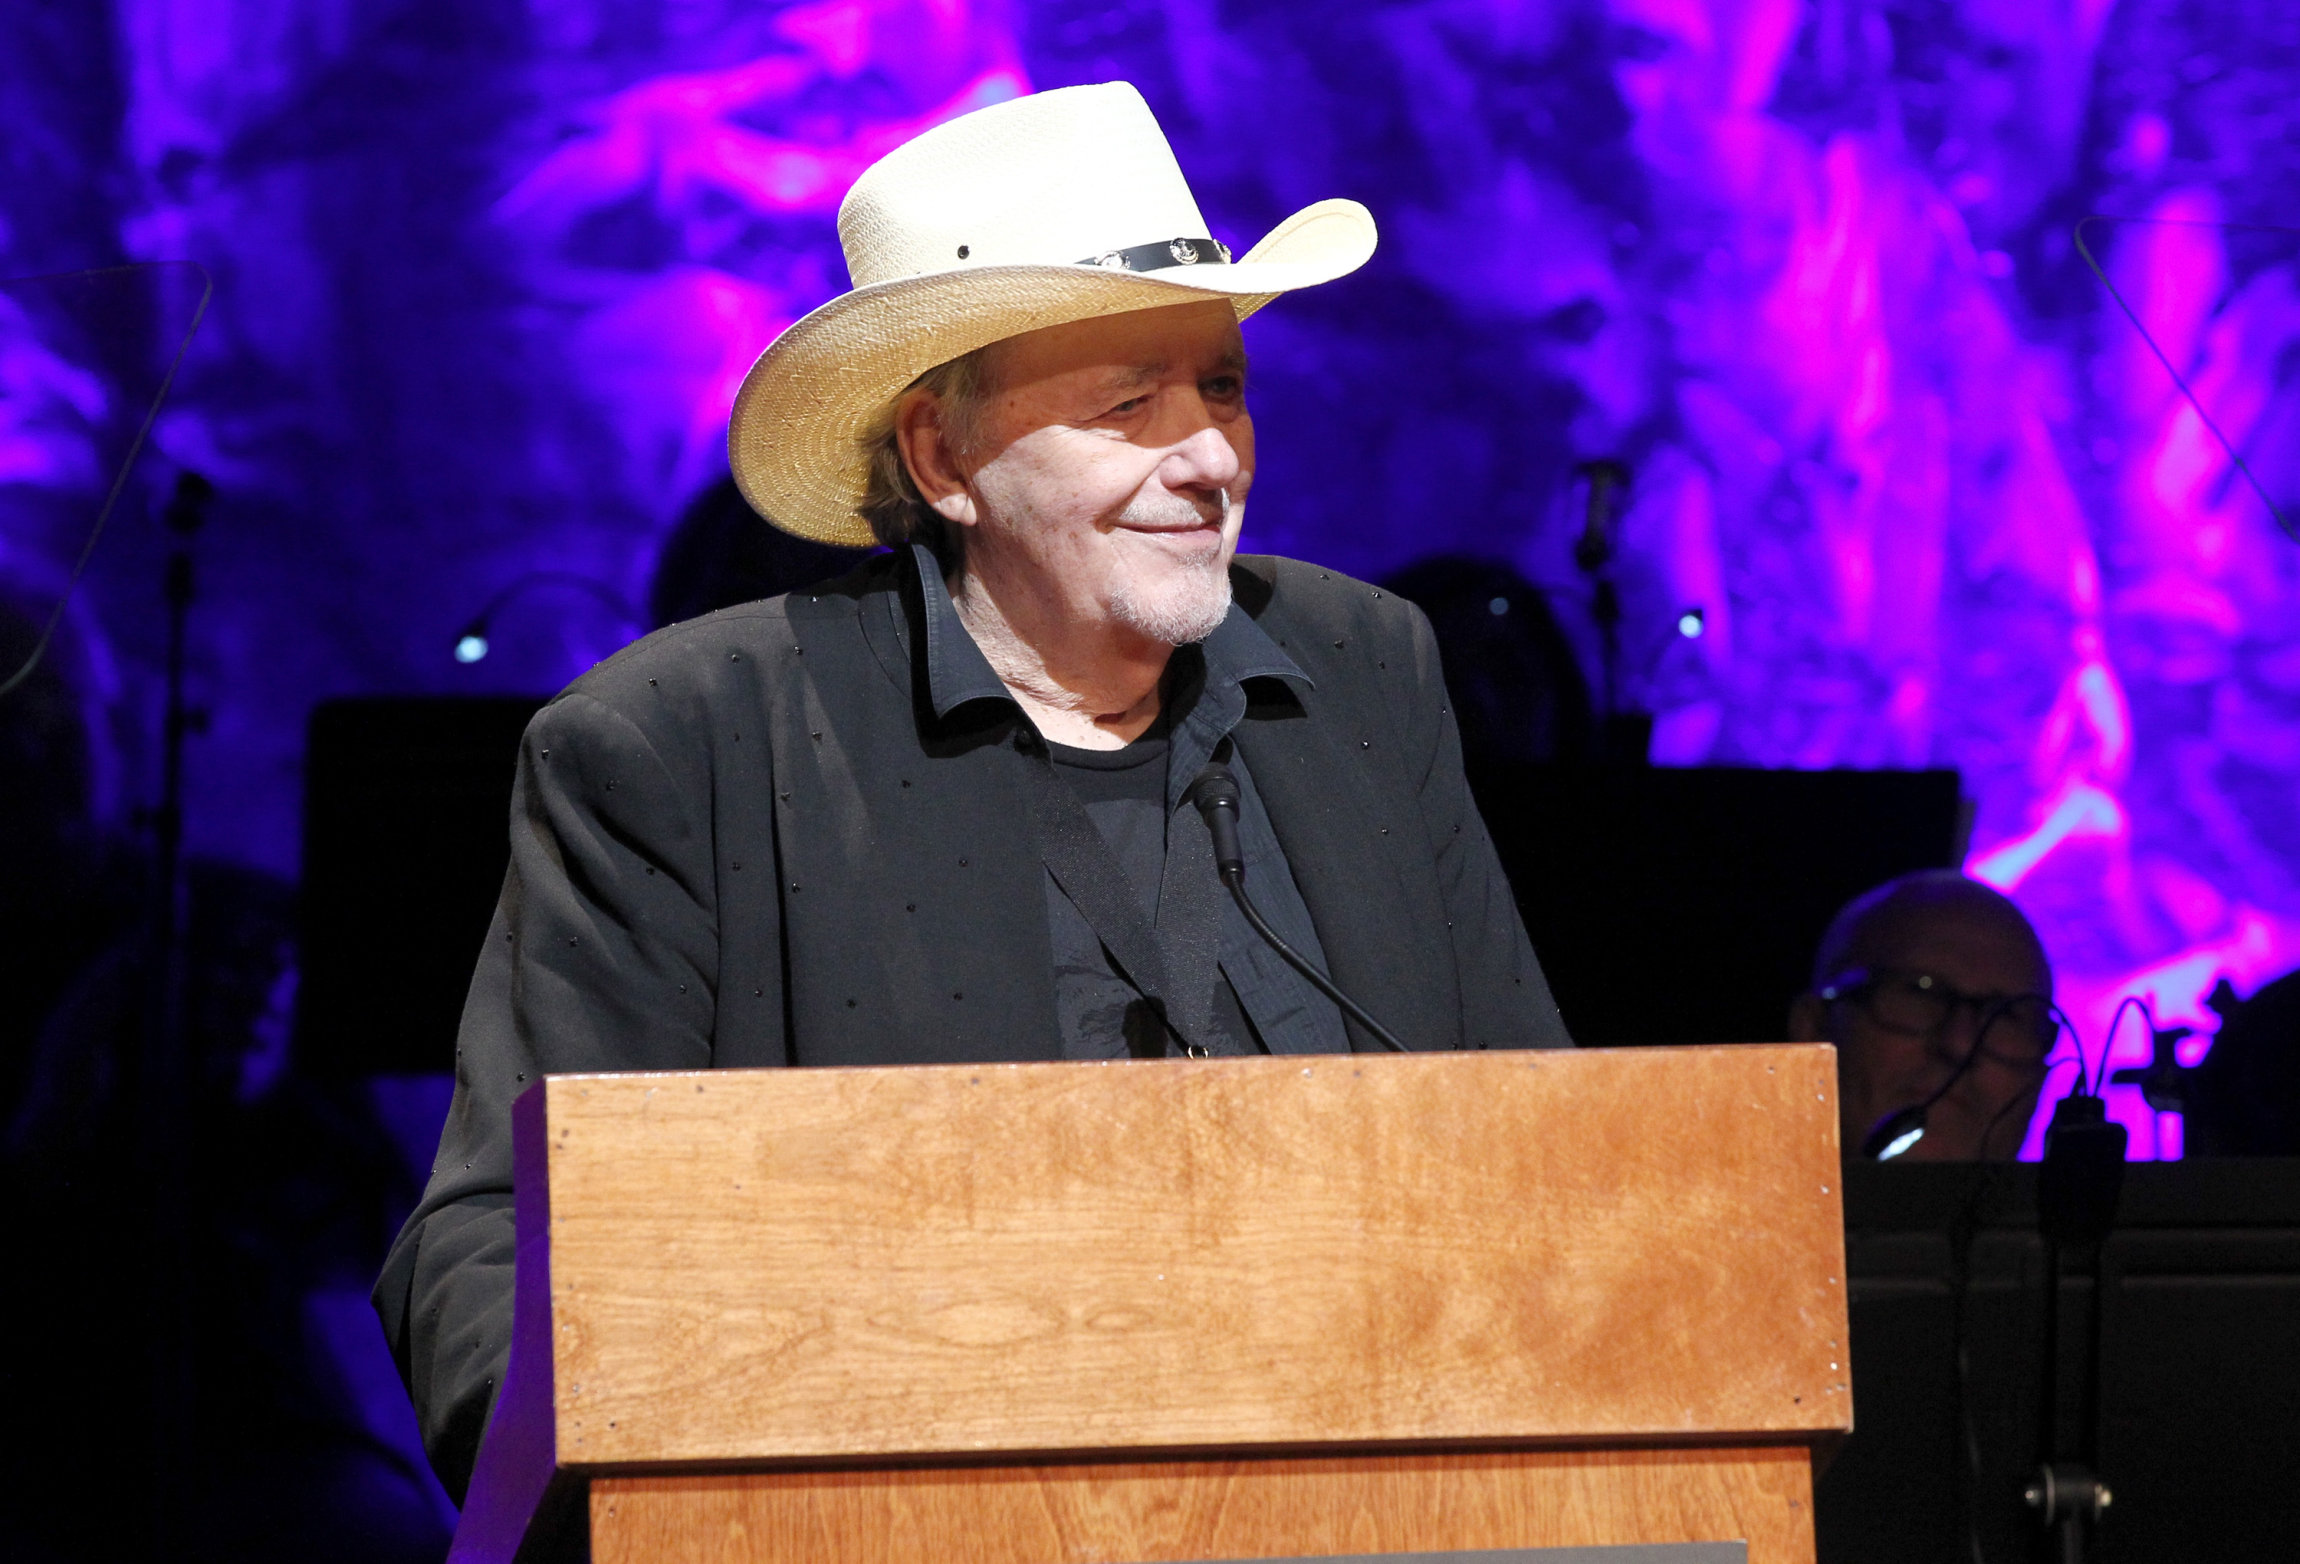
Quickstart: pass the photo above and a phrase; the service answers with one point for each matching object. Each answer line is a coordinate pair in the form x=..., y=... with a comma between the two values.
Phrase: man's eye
x=1127, y=406
x=1225, y=387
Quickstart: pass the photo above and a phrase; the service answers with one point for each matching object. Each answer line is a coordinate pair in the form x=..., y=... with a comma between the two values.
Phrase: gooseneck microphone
x=1897, y=1131
x=1215, y=792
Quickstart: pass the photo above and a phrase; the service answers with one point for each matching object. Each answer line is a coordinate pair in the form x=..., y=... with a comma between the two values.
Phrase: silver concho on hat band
x=1161, y=256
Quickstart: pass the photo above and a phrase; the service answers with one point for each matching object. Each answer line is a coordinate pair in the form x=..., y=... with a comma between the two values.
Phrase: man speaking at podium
x=940, y=811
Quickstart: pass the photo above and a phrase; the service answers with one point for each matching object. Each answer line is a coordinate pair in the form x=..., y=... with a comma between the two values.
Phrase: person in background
x=1936, y=992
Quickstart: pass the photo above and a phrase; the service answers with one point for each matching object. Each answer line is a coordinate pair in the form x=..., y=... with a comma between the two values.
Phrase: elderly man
x=1937, y=993
x=935, y=812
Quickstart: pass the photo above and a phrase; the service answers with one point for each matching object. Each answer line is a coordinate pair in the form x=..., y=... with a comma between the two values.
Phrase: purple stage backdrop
x=487, y=273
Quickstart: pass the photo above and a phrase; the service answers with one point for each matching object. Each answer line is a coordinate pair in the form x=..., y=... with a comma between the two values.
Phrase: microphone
x=1593, y=550
x=1215, y=792
x=1897, y=1131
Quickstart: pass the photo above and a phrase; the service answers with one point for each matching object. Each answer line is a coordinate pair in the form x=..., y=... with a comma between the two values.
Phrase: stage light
x=1498, y=607
x=472, y=644
x=1691, y=623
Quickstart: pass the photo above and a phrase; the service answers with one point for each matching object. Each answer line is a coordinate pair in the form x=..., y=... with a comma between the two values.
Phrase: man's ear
x=923, y=437
x=1808, y=1019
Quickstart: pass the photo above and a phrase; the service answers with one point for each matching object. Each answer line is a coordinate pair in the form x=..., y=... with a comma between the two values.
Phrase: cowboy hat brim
x=794, y=440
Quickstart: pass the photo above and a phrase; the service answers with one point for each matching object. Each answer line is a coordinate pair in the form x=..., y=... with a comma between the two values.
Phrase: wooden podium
x=1173, y=1310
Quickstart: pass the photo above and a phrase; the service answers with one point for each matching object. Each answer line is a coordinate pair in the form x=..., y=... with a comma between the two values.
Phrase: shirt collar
x=1240, y=649
x=957, y=672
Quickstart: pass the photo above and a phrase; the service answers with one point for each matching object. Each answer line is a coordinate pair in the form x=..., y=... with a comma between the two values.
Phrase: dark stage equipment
x=1668, y=906
x=1684, y=905
x=406, y=835
x=2194, y=1371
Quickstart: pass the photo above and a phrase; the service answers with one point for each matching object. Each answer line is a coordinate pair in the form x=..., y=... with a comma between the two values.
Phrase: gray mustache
x=1174, y=511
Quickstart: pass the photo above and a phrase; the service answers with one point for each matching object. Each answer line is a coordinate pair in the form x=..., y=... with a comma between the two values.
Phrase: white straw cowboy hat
x=1037, y=212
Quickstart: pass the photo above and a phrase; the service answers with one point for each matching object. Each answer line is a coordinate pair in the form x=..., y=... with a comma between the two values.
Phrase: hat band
x=1164, y=254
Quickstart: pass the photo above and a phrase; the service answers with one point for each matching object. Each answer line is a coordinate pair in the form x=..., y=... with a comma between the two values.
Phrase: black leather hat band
x=1163, y=255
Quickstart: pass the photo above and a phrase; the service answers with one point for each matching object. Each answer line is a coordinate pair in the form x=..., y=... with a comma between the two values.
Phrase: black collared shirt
x=1262, y=1003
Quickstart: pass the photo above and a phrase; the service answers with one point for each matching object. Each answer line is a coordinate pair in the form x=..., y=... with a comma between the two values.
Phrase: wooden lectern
x=1173, y=1310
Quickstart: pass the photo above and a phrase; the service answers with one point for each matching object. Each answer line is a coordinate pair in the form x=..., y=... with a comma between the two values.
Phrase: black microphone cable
x=1215, y=792
x=1897, y=1131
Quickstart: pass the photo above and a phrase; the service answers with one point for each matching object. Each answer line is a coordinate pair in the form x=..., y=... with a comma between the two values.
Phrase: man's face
x=1110, y=470
x=1888, y=1059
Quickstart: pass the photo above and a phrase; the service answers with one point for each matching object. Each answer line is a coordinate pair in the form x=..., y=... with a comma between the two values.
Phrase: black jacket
x=747, y=840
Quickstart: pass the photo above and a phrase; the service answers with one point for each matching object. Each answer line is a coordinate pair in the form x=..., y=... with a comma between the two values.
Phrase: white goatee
x=1191, y=600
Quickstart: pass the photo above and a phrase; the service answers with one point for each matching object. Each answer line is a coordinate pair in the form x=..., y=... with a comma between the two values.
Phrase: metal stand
x=1623, y=737
x=2078, y=1186
x=186, y=512
x=166, y=1074
x=2164, y=1080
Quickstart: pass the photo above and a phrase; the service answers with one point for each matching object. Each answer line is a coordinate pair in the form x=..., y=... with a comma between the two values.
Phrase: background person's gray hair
x=897, y=513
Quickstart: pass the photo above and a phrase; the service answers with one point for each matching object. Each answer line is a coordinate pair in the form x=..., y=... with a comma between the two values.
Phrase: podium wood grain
x=1165, y=1310
x=1131, y=1514
x=1195, y=1255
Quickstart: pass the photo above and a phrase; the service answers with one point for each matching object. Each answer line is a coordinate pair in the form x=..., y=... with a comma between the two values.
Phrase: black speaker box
x=1683, y=905
x=406, y=835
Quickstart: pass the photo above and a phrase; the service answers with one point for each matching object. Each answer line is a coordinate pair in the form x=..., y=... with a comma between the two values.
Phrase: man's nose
x=1203, y=459
x=1957, y=1035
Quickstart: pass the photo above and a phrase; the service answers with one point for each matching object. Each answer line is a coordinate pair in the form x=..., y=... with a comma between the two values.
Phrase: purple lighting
x=663, y=346
x=488, y=276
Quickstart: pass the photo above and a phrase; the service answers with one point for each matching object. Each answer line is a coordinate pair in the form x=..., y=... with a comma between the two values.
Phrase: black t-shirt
x=1124, y=791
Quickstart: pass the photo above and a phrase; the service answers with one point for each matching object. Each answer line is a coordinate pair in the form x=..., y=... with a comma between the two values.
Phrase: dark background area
x=1677, y=906
x=485, y=273
x=1684, y=905
x=2197, y=1376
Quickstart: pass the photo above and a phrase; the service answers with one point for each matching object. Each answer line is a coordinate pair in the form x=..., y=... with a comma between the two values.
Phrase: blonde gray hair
x=892, y=505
